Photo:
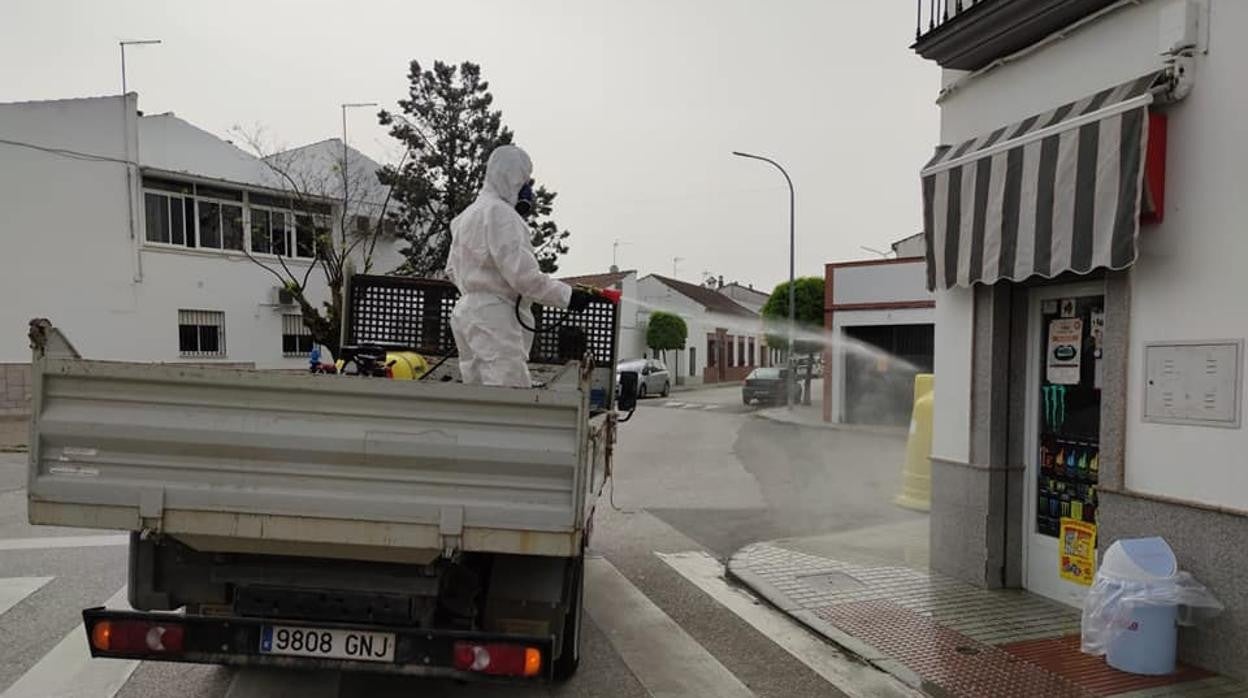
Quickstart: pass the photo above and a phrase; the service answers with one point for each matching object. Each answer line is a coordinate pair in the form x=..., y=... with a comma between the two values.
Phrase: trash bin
x=1132, y=612
x=1148, y=638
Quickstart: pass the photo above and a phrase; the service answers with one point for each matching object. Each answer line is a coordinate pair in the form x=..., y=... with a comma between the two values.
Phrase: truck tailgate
x=235, y=455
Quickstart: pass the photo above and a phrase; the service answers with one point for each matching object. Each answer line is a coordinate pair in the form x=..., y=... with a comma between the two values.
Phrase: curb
x=737, y=572
x=771, y=416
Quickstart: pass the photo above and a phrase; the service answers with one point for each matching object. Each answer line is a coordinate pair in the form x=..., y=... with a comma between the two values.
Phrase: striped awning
x=1057, y=192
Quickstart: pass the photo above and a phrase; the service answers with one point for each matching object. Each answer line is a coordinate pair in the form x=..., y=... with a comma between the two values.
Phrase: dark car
x=652, y=376
x=766, y=385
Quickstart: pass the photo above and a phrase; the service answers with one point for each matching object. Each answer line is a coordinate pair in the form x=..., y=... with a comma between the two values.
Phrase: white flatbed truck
x=276, y=519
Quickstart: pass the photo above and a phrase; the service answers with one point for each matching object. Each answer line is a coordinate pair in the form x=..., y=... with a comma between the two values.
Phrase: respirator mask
x=526, y=200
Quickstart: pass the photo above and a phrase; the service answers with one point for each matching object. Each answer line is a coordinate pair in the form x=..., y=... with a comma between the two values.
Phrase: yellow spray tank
x=401, y=365
x=916, y=484
x=406, y=365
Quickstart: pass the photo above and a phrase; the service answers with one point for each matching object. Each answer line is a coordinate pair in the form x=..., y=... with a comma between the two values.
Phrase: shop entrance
x=1065, y=332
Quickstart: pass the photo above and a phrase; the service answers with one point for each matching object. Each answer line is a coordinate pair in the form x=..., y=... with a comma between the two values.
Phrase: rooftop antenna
x=676, y=266
x=124, y=44
x=615, y=251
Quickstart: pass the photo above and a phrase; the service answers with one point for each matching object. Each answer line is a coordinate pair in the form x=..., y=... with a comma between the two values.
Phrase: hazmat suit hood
x=508, y=169
x=491, y=262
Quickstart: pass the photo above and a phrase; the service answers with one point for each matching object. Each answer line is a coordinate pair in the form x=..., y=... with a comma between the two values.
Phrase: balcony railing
x=970, y=34
x=934, y=13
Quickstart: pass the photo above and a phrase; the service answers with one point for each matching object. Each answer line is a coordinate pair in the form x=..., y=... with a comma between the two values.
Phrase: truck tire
x=570, y=656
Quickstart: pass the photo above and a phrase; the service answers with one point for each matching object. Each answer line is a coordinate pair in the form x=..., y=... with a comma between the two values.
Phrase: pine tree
x=448, y=125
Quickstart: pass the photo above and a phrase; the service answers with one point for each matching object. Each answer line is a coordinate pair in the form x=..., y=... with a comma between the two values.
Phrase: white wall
x=1121, y=47
x=1189, y=281
x=913, y=246
x=204, y=281
x=880, y=283
x=951, y=415
x=841, y=350
x=67, y=250
x=700, y=323
x=632, y=323
x=69, y=255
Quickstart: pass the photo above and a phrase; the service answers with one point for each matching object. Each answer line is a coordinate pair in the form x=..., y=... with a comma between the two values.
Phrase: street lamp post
x=124, y=44
x=792, y=375
x=345, y=184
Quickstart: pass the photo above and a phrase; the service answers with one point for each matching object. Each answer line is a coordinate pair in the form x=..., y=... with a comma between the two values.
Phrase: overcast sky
x=629, y=109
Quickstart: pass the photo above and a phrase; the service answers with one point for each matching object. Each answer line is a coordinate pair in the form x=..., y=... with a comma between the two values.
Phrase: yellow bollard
x=916, y=485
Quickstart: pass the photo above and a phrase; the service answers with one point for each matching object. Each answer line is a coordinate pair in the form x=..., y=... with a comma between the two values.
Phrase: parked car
x=767, y=386
x=652, y=376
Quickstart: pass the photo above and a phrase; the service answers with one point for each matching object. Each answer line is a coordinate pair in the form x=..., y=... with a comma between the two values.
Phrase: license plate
x=357, y=645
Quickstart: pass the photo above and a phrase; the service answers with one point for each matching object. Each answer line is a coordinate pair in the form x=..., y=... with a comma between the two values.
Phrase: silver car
x=652, y=376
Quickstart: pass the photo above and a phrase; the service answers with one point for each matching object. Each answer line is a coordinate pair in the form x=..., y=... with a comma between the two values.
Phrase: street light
x=124, y=44
x=788, y=393
x=345, y=185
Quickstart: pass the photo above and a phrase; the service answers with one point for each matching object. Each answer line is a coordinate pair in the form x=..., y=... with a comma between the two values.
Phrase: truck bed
x=254, y=461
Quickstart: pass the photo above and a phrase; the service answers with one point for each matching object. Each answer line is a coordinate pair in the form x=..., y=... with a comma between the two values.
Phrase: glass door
x=1064, y=394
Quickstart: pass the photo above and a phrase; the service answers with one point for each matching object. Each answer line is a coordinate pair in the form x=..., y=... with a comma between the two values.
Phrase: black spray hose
x=435, y=367
x=534, y=330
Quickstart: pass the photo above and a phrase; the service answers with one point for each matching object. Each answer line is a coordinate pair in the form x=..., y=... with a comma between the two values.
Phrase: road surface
x=697, y=476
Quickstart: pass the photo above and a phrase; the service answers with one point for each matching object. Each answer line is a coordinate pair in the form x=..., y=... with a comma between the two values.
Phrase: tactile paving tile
x=1062, y=657
x=948, y=660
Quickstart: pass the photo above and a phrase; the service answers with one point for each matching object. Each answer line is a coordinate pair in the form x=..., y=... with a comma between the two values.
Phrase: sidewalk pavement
x=870, y=591
x=811, y=416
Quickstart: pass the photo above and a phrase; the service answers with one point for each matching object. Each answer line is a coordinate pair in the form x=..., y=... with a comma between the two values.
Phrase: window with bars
x=201, y=333
x=296, y=339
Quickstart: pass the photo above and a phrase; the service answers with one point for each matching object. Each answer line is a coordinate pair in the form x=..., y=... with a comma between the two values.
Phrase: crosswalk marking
x=663, y=657
x=48, y=542
x=852, y=677
x=691, y=406
x=69, y=672
x=14, y=589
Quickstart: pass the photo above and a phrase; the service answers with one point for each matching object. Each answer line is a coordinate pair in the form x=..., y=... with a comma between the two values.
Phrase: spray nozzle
x=610, y=294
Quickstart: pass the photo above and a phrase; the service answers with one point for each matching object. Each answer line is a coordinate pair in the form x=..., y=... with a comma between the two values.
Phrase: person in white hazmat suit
x=492, y=263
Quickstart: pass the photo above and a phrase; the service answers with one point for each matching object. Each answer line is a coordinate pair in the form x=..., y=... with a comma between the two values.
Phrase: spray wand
x=611, y=295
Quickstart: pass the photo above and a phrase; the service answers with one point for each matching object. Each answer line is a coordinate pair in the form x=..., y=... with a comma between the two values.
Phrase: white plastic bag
x=1107, y=609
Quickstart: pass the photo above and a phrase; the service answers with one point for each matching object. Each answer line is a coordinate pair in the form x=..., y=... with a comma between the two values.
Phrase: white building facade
x=1084, y=219
x=725, y=340
x=880, y=319
x=140, y=236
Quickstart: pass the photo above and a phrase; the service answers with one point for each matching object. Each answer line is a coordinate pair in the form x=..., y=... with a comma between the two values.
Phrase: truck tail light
x=497, y=659
x=137, y=637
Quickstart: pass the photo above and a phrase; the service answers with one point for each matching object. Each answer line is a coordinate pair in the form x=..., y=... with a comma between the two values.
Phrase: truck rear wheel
x=570, y=656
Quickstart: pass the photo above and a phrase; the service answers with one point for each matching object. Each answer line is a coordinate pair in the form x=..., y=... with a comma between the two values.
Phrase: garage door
x=880, y=369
